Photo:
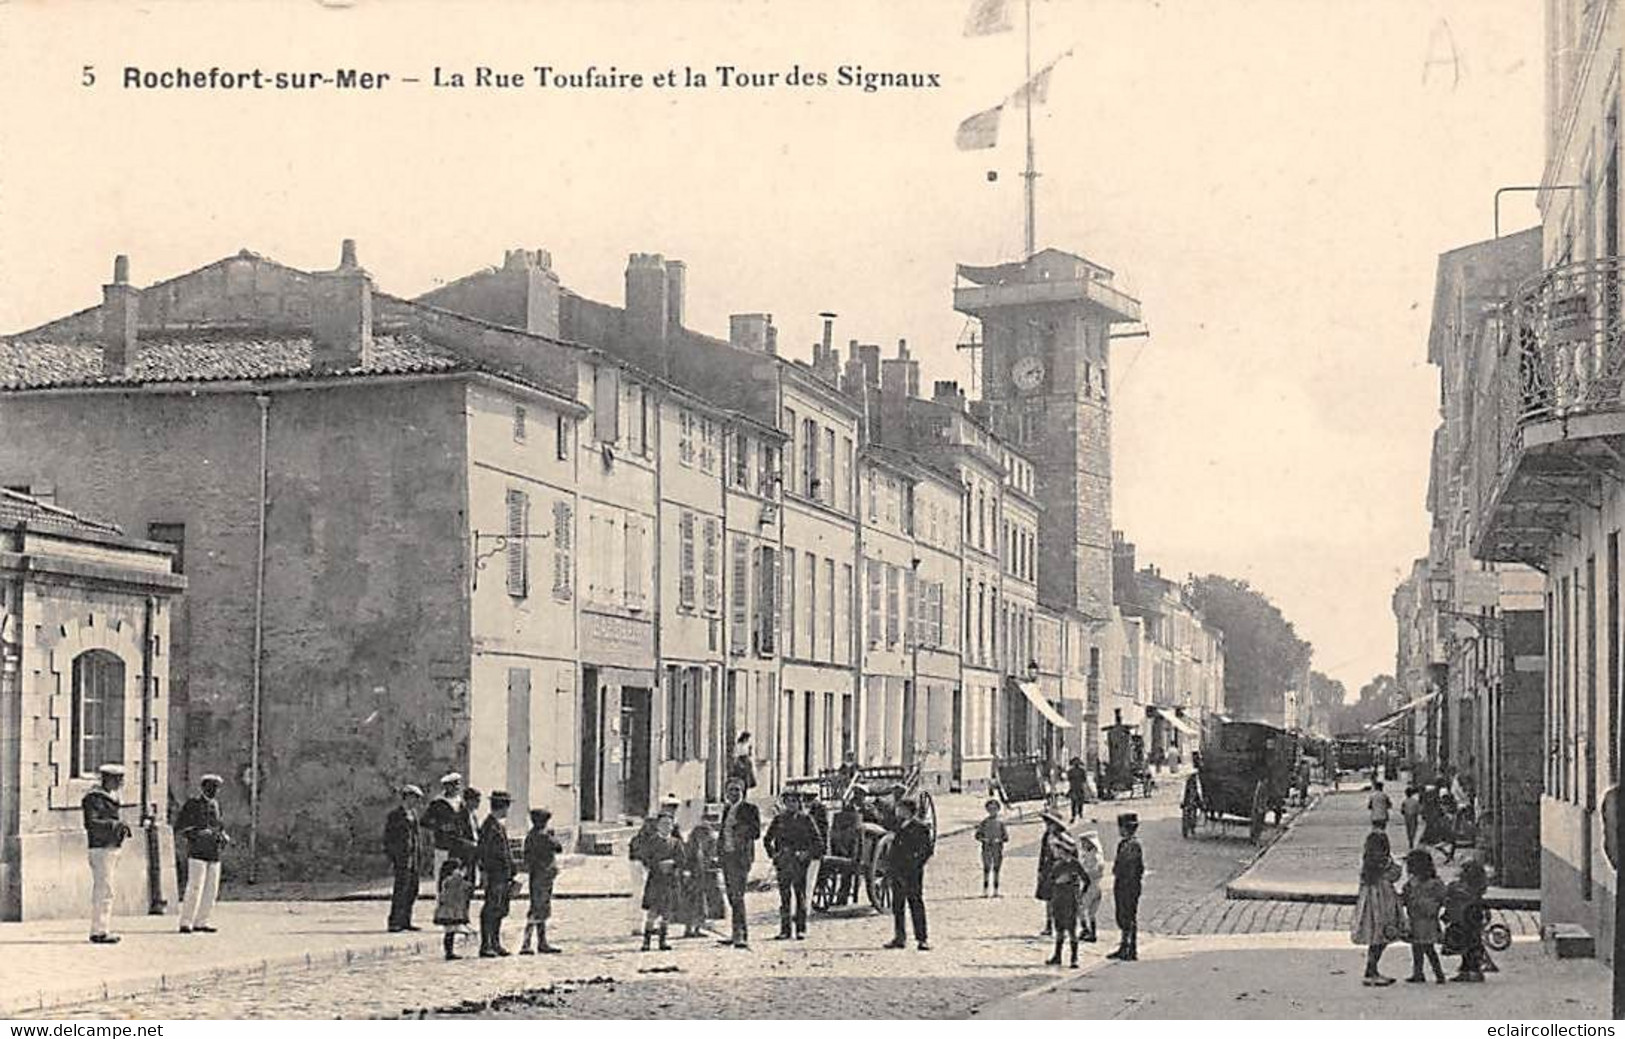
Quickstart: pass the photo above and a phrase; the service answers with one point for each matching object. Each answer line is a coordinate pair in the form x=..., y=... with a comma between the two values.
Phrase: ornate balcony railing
x=1562, y=349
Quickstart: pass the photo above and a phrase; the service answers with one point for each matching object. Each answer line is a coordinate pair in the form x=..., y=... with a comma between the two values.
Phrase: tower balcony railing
x=1556, y=393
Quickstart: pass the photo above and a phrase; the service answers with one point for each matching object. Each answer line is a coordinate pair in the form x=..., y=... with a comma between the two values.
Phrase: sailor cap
x=451, y=777
x=411, y=790
x=110, y=770
x=210, y=778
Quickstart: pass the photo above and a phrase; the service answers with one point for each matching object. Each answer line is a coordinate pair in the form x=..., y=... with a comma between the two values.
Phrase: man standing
x=911, y=847
x=498, y=866
x=105, y=833
x=791, y=840
x=401, y=845
x=1077, y=787
x=447, y=820
x=1379, y=805
x=1128, y=869
x=741, y=826
x=203, y=827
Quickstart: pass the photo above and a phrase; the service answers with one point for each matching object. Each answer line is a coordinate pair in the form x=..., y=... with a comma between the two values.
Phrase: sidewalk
x=1305, y=976
x=1318, y=858
x=48, y=963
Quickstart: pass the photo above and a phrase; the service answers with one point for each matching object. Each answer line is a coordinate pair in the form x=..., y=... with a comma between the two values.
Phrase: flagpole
x=1031, y=174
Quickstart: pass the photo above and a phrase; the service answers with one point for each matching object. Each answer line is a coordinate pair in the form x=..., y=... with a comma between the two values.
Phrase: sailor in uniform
x=201, y=823
x=105, y=833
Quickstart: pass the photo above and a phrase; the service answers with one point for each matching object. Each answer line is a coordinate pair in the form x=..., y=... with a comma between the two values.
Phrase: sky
x=1274, y=179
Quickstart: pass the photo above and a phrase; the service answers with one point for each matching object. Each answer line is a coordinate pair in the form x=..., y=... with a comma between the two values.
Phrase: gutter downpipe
x=264, y=402
x=149, y=812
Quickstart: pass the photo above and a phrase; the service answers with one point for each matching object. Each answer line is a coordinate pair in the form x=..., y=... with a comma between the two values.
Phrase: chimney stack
x=121, y=307
x=529, y=292
x=753, y=332
x=829, y=332
x=869, y=354
x=676, y=287
x=648, y=305
x=341, y=315
x=947, y=392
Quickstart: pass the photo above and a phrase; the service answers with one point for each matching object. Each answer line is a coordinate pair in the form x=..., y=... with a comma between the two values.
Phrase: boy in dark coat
x=542, y=850
x=791, y=841
x=498, y=867
x=1128, y=869
x=911, y=848
x=1066, y=884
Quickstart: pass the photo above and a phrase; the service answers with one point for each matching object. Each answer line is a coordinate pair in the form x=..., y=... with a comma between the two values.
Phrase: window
x=685, y=556
x=767, y=602
x=911, y=620
x=519, y=423
x=845, y=489
x=174, y=535
x=908, y=507
x=636, y=576
x=738, y=597
x=843, y=617
x=827, y=488
x=563, y=520
x=684, y=696
x=964, y=504
x=741, y=461
x=98, y=711
x=787, y=609
x=893, y=606
x=809, y=458
x=606, y=403
x=646, y=417
x=709, y=444
x=561, y=437
x=794, y=432
x=685, y=437
x=874, y=603
x=981, y=520
x=810, y=647
x=869, y=493
x=712, y=566
x=770, y=468
x=829, y=607
x=518, y=545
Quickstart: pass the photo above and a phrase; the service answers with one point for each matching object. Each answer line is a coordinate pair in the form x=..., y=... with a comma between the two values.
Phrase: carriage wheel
x=1260, y=804
x=875, y=879
x=1498, y=937
x=928, y=812
x=823, y=893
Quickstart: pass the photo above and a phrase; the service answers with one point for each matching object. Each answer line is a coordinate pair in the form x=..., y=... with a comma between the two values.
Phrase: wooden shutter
x=563, y=533
x=738, y=597
x=712, y=566
x=767, y=603
x=874, y=632
x=606, y=403
x=685, y=554
x=787, y=606
x=519, y=736
x=518, y=524
x=892, y=606
x=634, y=580
x=911, y=608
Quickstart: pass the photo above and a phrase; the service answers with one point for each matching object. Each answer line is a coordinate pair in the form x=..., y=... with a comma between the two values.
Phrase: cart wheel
x=1498, y=936
x=1260, y=804
x=876, y=881
x=823, y=893
x=928, y=813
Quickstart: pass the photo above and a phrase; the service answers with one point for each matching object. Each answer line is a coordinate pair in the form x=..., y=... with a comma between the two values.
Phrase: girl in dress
x=663, y=856
x=1424, y=899
x=1377, y=919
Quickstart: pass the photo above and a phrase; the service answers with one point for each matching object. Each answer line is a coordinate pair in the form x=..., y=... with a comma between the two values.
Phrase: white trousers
x=102, y=861
x=202, y=885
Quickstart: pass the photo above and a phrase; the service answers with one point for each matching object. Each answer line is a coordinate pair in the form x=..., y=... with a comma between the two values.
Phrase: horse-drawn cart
x=1124, y=770
x=860, y=808
x=1247, y=774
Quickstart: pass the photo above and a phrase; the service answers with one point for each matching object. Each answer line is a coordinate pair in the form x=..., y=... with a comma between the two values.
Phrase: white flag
x=979, y=131
x=988, y=17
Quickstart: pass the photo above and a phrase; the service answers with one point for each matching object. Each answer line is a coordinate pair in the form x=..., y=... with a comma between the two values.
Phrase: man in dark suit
x=911, y=848
x=740, y=827
x=1128, y=869
x=499, y=869
x=401, y=845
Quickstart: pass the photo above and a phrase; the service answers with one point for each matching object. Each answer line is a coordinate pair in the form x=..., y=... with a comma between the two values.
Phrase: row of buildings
x=1510, y=628
x=575, y=550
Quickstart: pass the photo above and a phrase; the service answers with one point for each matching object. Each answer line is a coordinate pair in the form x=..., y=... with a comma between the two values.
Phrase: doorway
x=958, y=774
x=636, y=705
x=591, y=799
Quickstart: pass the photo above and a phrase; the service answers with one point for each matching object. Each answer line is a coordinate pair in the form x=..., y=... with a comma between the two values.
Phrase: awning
x=1389, y=720
x=1047, y=709
x=1176, y=721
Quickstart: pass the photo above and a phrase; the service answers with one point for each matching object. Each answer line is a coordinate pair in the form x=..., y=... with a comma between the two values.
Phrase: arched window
x=98, y=711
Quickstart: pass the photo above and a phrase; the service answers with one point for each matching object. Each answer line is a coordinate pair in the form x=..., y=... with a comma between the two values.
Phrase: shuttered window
x=767, y=603
x=563, y=541
x=738, y=597
x=606, y=404
x=893, y=594
x=636, y=574
x=712, y=566
x=685, y=555
x=911, y=627
x=874, y=603
x=787, y=605
x=518, y=546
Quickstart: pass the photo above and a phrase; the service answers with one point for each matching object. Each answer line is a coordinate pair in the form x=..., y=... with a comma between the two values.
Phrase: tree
x=1263, y=656
x=1378, y=698
x=1326, y=695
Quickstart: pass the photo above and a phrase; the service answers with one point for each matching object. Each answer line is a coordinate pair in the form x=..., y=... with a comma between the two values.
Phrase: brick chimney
x=341, y=315
x=533, y=287
x=753, y=332
x=676, y=289
x=648, y=307
x=121, y=306
x=947, y=392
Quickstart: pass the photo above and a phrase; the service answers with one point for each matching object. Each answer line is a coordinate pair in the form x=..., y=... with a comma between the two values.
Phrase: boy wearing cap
x=542, y=850
x=790, y=842
x=105, y=833
x=203, y=827
x=499, y=869
x=1128, y=869
x=401, y=846
x=992, y=835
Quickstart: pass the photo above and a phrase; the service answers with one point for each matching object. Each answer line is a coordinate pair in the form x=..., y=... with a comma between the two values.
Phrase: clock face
x=1027, y=374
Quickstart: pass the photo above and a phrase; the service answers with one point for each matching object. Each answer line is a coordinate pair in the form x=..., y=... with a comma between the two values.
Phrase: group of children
x=1426, y=913
x=539, y=860
x=1069, y=876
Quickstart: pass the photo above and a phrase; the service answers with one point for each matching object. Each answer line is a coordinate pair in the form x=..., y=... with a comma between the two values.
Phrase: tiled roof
x=211, y=355
x=17, y=508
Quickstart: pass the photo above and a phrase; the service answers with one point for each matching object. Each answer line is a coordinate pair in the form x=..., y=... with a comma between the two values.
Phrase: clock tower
x=1046, y=327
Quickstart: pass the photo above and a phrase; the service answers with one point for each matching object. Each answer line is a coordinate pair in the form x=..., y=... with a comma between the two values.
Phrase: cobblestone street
x=984, y=950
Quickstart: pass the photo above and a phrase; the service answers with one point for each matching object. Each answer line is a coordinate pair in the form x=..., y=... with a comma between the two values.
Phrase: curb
x=44, y=1001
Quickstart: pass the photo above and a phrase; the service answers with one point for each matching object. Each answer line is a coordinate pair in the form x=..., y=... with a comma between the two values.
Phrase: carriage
x=855, y=855
x=1246, y=774
x=1124, y=769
